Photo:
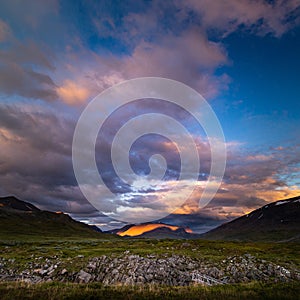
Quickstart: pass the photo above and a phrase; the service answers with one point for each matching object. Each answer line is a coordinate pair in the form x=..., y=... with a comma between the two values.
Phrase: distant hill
x=12, y=203
x=167, y=233
x=155, y=231
x=276, y=221
x=20, y=218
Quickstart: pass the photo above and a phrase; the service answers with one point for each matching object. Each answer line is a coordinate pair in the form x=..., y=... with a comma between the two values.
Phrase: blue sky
x=242, y=56
x=265, y=76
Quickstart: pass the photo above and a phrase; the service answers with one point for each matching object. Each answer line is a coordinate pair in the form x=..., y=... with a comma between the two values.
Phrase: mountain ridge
x=159, y=231
x=167, y=233
x=20, y=218
x=11, y=202
x=275, y=221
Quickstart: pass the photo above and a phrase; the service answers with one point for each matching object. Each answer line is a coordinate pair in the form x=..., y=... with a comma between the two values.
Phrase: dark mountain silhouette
x=122, y=229
x=20, y=218
x=12, y=203
x=276, y=221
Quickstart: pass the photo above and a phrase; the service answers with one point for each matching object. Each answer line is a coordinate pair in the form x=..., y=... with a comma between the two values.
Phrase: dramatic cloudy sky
x=242, y=56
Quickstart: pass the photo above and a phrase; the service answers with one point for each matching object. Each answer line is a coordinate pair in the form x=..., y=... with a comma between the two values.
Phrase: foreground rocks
x=129, y=269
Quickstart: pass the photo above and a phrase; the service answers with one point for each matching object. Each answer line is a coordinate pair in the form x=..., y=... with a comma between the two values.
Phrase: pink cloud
x=190, y=58
x=4, y=31
x=72, y=93
x=259, y=16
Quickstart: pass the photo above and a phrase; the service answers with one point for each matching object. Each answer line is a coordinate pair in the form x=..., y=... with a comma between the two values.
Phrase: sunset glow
x=242, y=57
x=142, y=228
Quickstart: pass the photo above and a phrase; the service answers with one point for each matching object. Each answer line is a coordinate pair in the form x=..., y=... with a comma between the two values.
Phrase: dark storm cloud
x=23, y=68
x=35, y=158
x=198, y=222
x=40, y=129
x=243, y=201
x=36, y=165
x=251, y=168
x=146, y=146
x=23, y=81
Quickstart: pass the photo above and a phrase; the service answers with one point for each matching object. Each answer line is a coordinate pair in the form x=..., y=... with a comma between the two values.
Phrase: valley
x=52, y=254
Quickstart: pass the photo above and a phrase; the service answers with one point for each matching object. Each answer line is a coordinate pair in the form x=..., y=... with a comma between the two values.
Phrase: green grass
x=285, y=254
x=48, y=225
x=51, y=291
x=26, y=248
x=73, y=254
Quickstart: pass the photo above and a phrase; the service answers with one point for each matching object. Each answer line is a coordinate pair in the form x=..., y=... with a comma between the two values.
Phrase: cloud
x=16, y=80
x=260, y=17
x=35, y=153
x=33, y=17
x=145, y=41
x=4, y=31
x=189, y=57
x=185, y=53
x=23, y=68
x=251, y=181
x=28, y=124
x=45, y=56
x=72, y=93
x=38, y=169
x=199, y=222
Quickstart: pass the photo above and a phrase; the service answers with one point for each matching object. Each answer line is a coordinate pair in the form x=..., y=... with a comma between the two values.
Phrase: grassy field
x=47, y=291
x=21, y=250
x=79, y=250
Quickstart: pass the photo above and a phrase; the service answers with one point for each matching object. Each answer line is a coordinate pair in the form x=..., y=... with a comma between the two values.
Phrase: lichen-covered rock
x=83, y=277
x=132, y=269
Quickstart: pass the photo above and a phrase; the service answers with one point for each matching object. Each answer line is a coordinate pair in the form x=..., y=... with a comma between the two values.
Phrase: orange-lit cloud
x=279, y=194
x=72, y=93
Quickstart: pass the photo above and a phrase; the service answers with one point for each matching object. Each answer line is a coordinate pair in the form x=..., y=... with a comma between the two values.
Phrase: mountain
x=121, y=230
x=12, y=203
x=276, y=221
x=20, y=218
x=154, y=231
x=167, y=233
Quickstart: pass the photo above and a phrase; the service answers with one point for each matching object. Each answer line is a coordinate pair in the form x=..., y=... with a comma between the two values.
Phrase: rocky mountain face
x=132, y=269
x=20, y=218
x=277, y=221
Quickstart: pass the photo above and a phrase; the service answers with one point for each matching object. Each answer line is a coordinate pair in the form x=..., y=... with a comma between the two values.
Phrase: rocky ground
x=129, y=269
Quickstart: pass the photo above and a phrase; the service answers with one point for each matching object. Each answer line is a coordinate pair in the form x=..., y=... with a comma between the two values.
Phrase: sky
x=241, y=56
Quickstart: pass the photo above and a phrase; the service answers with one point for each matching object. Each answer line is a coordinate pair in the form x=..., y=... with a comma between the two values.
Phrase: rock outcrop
x=131, y=269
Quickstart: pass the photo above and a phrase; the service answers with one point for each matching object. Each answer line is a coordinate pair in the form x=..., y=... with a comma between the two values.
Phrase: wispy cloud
x=260, y=17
